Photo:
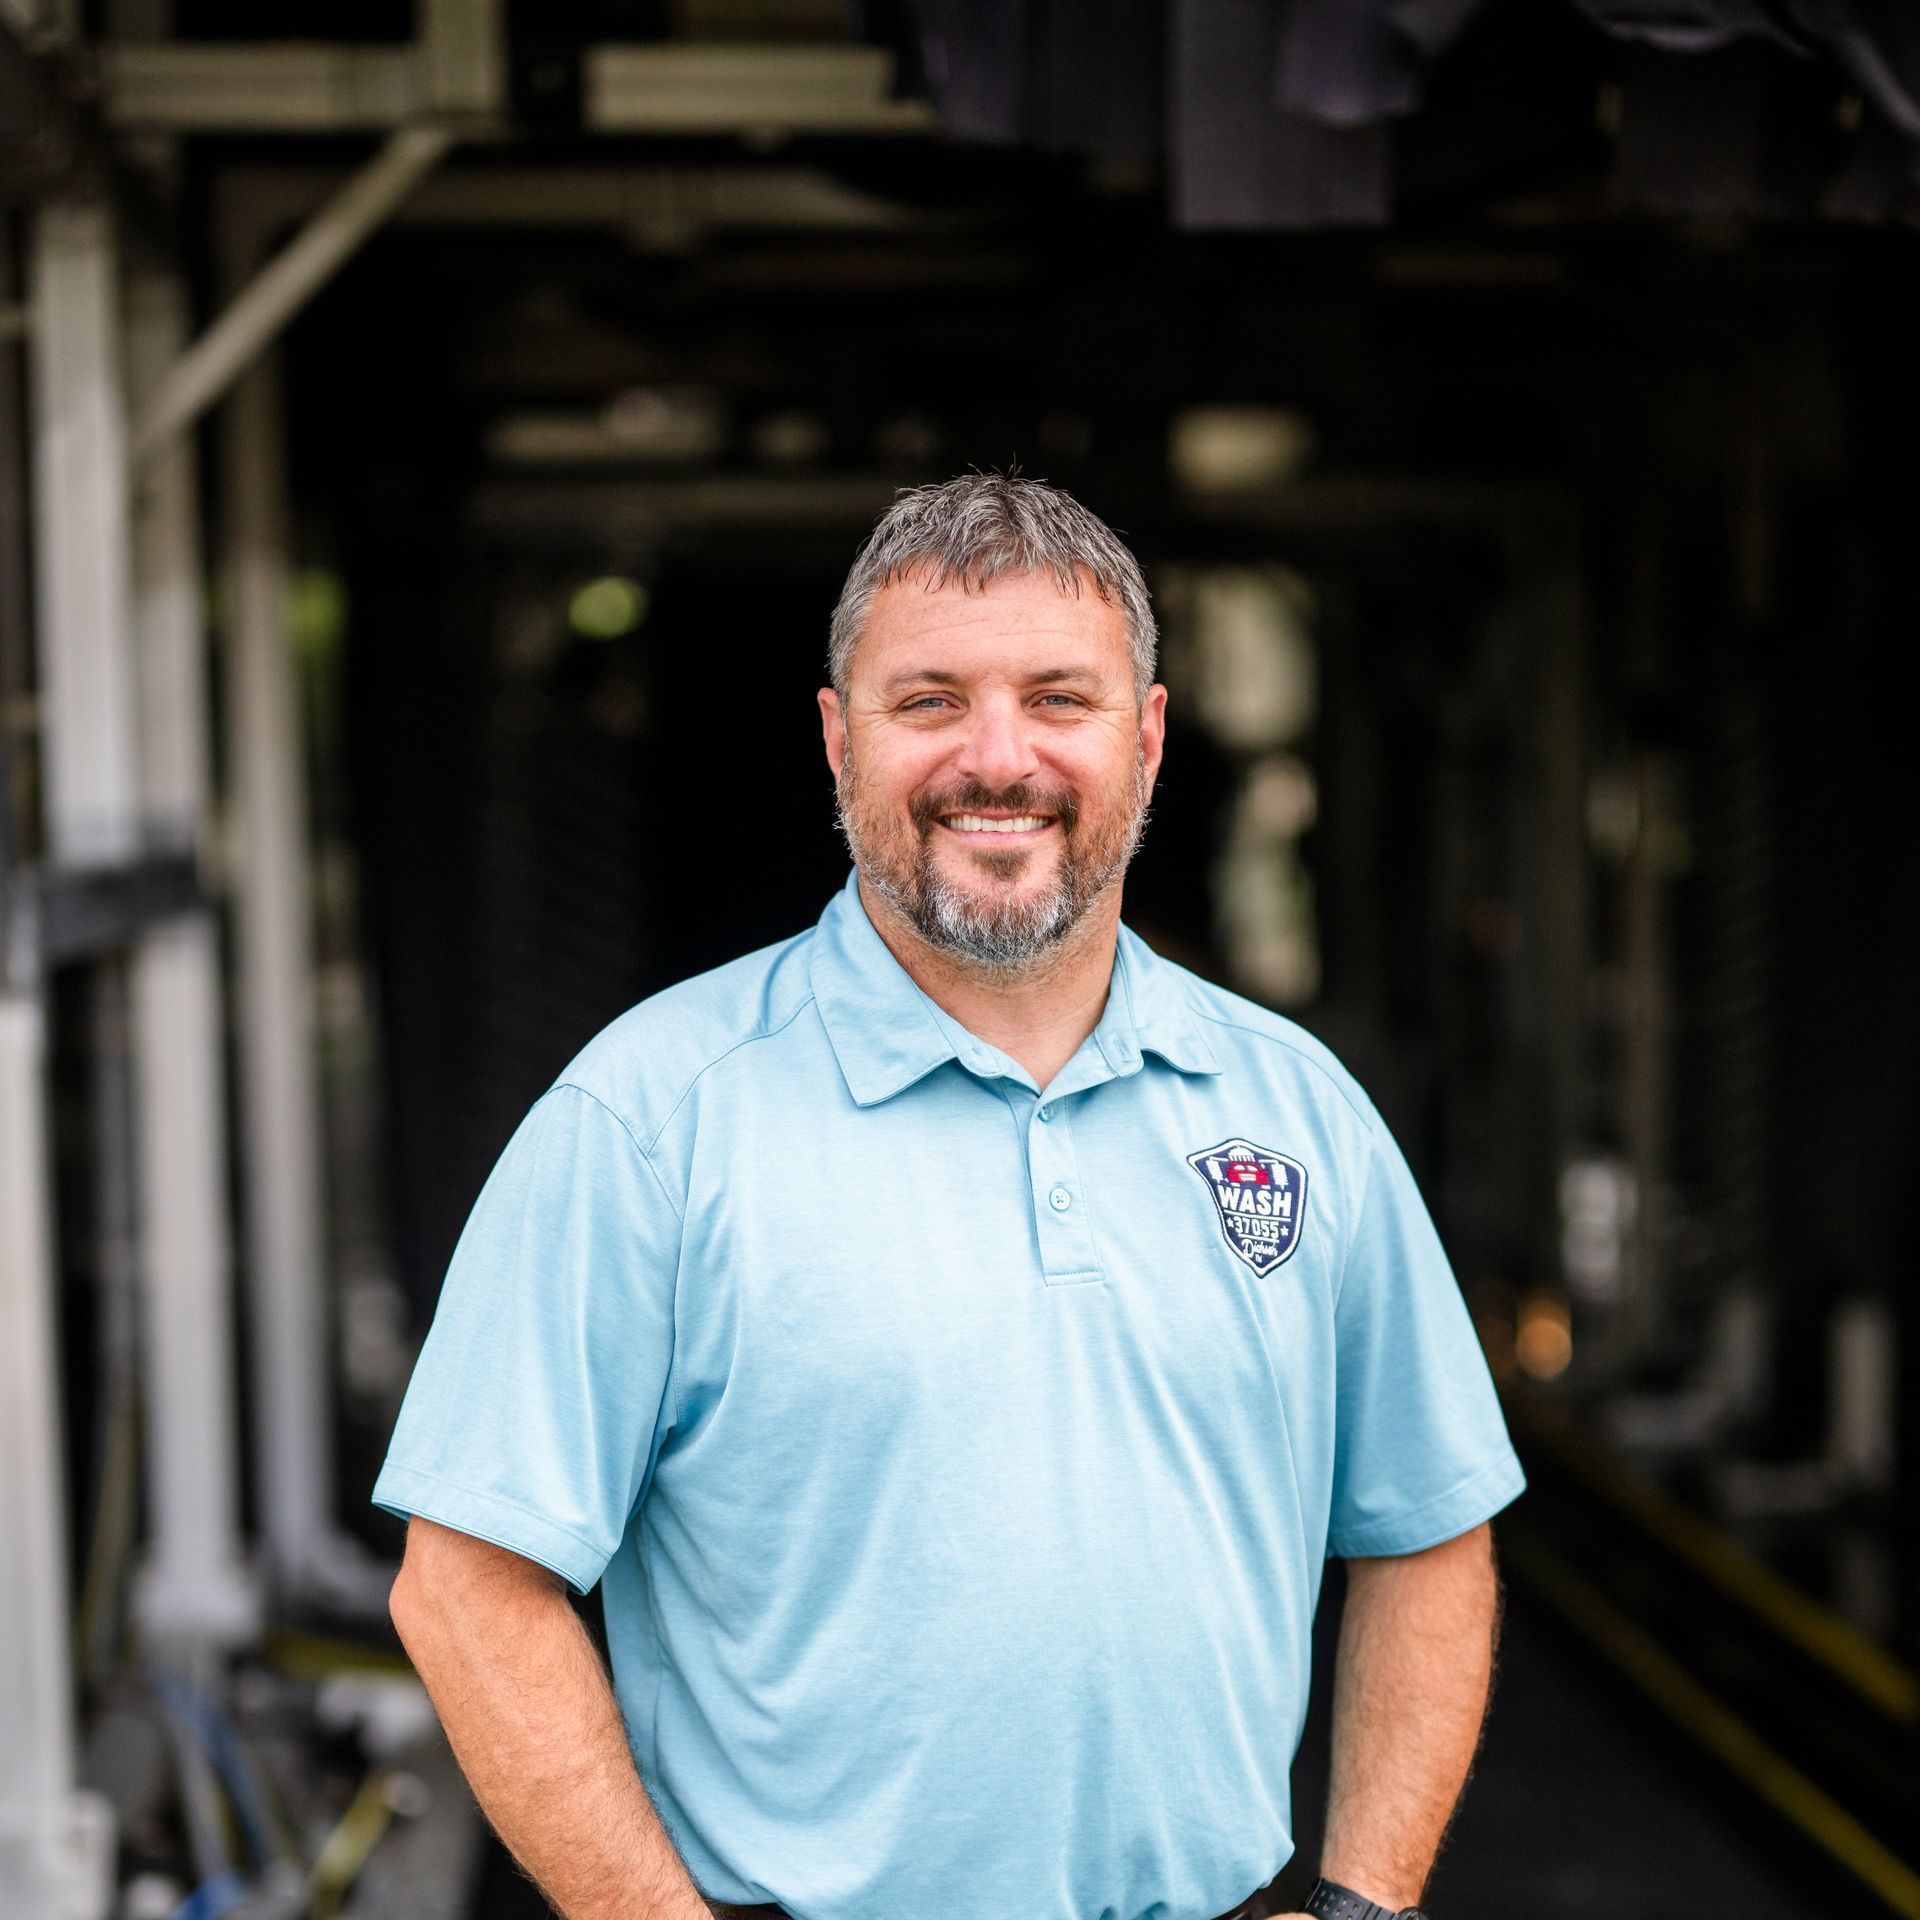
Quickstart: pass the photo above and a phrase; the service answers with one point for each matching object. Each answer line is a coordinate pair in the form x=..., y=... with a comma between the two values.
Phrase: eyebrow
x=1045, y=677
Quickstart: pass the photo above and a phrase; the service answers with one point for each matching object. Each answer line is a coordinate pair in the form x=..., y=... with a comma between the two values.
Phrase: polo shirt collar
x=882, y=1026
x=1159, y=1008
x=887, y=1034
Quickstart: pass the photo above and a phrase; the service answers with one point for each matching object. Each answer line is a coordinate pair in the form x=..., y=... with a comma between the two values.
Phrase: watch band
x=1329, y=1900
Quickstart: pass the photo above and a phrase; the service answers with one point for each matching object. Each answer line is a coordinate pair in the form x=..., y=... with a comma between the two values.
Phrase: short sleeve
x=1421, y=1451
x=538, y=1404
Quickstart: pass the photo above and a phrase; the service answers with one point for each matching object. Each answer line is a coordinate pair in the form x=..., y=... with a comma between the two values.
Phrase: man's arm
x=519, y=1687
x=1411, y=1680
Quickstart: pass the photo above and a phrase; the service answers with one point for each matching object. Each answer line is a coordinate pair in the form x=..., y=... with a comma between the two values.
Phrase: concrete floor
x=1584, y=1801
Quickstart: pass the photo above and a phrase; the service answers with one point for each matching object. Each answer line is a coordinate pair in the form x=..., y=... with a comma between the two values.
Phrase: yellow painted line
x=1723, y=1733
x=314, y=1656
x=347, y=1848
x=1875, y=1674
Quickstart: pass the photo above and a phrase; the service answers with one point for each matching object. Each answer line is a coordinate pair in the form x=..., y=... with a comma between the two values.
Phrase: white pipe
x=175, y=742
x=56, y=1842
x=56, y=1845
x=82, y=566
x=279, y=1096
x=194, y=1588
x=286, y=1263
x=256, y=315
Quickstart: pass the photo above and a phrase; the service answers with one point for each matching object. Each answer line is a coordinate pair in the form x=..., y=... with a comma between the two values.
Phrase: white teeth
x=979, y=823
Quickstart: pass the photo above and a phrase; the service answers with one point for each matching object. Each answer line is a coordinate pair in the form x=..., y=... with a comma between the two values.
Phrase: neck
x=1038, y=1014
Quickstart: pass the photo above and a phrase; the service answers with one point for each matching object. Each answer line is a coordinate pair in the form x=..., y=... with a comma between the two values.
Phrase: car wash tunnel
x=432, y=442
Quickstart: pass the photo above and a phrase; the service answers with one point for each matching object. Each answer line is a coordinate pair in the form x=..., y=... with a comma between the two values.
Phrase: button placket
x=1061, y=1216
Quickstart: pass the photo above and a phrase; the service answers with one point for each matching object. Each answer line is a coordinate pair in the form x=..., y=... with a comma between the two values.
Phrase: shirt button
x=1059, y=1199
x=1046, y=1113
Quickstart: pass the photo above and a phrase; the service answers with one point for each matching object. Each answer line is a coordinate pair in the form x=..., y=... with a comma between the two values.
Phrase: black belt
x=1244, y=1911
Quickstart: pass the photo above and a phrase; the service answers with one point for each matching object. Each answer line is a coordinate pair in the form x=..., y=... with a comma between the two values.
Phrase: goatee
x=1003, y=932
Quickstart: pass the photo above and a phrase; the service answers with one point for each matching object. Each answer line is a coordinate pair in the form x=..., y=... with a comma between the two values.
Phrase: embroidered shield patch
x=1260, y=1196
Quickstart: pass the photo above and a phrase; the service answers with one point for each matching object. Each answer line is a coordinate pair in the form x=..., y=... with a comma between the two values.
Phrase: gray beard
x=1005, y=936
x=1001, y=936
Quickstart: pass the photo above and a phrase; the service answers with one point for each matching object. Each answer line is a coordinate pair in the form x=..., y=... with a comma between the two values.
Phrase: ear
x=833, y=729
x=1153, y=730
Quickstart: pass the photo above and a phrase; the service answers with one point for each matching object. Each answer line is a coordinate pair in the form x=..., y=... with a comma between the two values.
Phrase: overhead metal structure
x=211, y=365
x=134, y=859
x=310, y=88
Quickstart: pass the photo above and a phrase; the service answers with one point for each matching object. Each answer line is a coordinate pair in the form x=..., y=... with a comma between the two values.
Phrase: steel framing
x=130, y=874
x=312, y=87
x=195, y=1588
x=55, y=1843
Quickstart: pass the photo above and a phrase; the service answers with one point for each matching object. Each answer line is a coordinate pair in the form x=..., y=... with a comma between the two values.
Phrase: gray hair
x=982, y=527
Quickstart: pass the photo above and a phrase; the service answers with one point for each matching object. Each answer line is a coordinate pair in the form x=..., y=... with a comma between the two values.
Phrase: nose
x=998, y=749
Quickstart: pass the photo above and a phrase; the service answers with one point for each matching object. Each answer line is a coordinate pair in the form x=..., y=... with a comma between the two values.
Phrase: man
x=957, y=1337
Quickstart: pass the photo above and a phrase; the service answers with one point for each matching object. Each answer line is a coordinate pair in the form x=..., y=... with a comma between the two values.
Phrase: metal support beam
x=279, y=1099
x=168, y=596
x=195, y=1589
x=56, y=1846
x=309, y=87
x=770, y=90
x=289, y=86
x=82, y=541
x=285, y=1237
x=86, y=913
x=56, y=1850
x=214, y=361
x=463, y=54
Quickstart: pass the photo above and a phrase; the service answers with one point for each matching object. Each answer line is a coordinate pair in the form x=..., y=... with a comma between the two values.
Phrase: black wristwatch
x=1329, y=1900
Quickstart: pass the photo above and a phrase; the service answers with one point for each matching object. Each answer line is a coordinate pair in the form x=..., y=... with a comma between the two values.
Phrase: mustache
x=974, y=796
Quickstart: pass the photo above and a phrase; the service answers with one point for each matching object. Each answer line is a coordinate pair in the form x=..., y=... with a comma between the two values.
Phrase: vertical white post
x=82, y=549
x=195, y=1589
x=285, y=1240
x=1863, y=1372
x=279, y=1103
x=463, y=51
x=56, y=1848
x=56, y=1845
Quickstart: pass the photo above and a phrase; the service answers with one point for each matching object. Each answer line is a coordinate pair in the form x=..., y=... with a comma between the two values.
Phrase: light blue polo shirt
x=960, y=1464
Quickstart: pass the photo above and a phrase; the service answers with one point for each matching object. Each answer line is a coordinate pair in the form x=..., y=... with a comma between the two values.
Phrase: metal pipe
x=56, y=1847
x=55, y=1844
x=194, y=1588
x=280, y=1098
x=83, y=585
x=259, y=311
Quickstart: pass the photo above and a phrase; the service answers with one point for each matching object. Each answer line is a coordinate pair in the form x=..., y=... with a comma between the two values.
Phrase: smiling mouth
x=999, y=826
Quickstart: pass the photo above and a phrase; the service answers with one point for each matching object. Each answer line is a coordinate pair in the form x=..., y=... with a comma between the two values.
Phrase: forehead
x=1019, y=621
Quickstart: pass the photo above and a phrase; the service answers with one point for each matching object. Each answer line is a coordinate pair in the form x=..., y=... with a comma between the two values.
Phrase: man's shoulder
x=641, y=1063
x=1243, y=1031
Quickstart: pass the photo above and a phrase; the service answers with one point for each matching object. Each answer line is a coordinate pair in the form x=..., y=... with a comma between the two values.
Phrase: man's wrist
x=1330, y=1900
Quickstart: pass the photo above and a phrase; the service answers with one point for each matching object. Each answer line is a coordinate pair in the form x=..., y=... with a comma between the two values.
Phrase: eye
x=925, y=700
x=1065, y=699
